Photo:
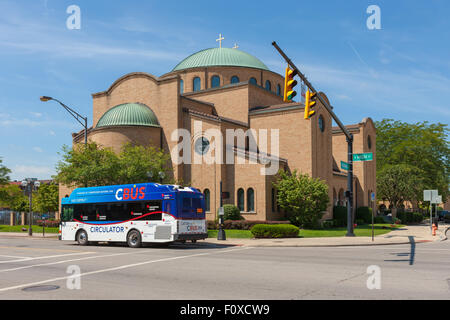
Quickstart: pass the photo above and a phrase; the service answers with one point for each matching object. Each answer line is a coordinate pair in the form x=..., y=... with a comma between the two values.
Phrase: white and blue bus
x=139, y=213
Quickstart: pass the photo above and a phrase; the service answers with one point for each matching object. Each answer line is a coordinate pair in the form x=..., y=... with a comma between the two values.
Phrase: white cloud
x=38, y=149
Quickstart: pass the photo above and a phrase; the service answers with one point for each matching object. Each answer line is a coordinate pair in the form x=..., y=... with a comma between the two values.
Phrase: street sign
x=345, y=165
x=372, y=196
x=437, y=200
x=363, y=156
x=430, y=195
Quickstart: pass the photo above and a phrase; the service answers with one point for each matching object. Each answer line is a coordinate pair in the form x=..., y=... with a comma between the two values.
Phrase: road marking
x=39, y=249
x=46, y=257
x=4, y=255
x=65, y=261
x=117, y=268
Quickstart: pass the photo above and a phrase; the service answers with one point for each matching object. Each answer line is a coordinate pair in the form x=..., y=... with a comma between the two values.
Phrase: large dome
x=128, y=114
x=220, y=57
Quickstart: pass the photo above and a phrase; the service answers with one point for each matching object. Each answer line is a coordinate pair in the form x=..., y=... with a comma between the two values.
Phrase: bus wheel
x=194, y=241
x=134, y=239
x=82, y=238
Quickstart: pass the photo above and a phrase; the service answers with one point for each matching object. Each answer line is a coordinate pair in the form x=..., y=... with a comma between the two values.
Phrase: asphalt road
x=199, y=271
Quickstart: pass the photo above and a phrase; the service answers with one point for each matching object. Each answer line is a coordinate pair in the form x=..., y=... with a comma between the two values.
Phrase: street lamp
x=29, y=185
x=161, y=176
x=74, y=114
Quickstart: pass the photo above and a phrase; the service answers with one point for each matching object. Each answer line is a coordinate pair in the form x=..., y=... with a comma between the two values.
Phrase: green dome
x=128, y=114
x=220, y=57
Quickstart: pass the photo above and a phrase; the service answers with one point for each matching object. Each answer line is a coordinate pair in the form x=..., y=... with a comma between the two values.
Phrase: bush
x=410, y=217
x=378, y=220
x=359, y=222
x=365, y=214
x=340, y=215
x=48, y=223
x=328, y=224
x=231, y=212
x=242, y=224
x=275, y=231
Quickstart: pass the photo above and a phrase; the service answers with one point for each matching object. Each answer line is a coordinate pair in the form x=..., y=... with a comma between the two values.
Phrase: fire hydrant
x=434, y=228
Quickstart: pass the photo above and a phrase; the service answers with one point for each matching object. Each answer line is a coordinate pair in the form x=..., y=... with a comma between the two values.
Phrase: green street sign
x=345, y=165
x=363, y=156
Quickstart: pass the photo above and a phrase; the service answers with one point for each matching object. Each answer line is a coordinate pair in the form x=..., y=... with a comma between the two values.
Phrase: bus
x=133, y=213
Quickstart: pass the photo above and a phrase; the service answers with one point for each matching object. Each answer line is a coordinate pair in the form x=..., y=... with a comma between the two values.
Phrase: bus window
x=67, y=213
x=153, y=207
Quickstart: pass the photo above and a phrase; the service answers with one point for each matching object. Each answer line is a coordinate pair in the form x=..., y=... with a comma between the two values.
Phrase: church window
x=234, y=79
x=207, y=195
x=253, y=81
x=201, y=145
x=250, y=200
x=369, y=142
x=268, y=85
x=240, y=199
x=278, y=90
x=215, y=82
x=181, y=86
x=197, y=84
x=321, y=123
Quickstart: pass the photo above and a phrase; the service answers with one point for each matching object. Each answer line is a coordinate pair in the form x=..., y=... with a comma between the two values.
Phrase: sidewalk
x=405, y=235
x=25, y=235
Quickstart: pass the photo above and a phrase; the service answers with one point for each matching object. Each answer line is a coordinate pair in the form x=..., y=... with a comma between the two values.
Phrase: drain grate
x=40, y=288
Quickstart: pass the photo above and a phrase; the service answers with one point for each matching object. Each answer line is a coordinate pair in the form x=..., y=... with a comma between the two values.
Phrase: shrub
x=231, y=212
x=328, y=224
x=48, y=223
x=365, y=214
x=378, y=220
x=340, y=215
x=359, y=222
x=275, y=231
x=242, y=224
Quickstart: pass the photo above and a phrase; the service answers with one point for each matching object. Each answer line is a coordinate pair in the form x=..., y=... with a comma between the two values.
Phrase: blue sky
x=401, y=71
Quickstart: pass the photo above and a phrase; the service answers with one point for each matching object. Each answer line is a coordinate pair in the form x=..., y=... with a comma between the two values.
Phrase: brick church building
x=223, y=89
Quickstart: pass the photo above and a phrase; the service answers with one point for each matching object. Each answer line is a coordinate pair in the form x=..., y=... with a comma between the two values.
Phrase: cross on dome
x=220, y=40
x=235, y=46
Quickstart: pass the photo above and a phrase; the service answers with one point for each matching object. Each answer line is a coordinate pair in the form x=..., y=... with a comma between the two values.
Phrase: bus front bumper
x=193, y=236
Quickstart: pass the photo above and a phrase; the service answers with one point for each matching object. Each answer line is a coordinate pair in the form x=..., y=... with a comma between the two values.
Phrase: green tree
x=302, y=197
x=46, y=198
x=95, y=166
x=399, y=183
x=421, y=145
x=4, y=171
x=12, y=197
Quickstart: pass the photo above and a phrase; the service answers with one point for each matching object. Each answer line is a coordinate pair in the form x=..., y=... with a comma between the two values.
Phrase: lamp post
x=29, y=185
x=161, y=176
x=74, y=114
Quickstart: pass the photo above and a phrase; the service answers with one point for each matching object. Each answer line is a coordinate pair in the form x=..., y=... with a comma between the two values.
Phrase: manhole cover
x=40, y=288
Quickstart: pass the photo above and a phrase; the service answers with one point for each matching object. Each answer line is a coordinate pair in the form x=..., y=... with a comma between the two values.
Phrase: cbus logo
x=130, y=193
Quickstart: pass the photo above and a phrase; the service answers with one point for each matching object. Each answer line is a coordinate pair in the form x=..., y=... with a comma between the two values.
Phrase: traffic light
x=310, y=101
x=289, y=84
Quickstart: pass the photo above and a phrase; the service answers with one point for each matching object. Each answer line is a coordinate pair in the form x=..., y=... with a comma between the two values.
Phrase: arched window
x=234, y=79
x=250, y=200
x=278, y=90
x=197, y=84
x=240, y=199
x=181, y=86
x=215, y=81
x=268, y=85
x=253, y=81
x=207, y=195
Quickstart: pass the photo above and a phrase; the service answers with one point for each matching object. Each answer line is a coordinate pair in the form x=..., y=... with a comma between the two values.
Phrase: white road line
x=4, y=255
x=65, y=261
x=118, y=268
x=46, y=257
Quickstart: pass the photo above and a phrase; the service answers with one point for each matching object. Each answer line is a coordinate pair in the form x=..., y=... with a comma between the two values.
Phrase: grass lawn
x=360, y=231
x=36, y=229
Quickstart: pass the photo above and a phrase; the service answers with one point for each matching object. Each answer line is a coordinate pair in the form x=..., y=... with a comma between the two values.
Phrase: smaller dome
x=128, y=114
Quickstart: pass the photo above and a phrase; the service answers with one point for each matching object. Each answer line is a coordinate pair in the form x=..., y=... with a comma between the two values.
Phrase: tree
x=46, y=198
x=302, y=197
x=399, y=183
x=4, y=171
x=421, y=145
x=12, y=197
x=93, y=165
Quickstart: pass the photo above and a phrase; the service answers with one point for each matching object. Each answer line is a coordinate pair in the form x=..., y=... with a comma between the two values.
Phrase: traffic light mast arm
x=305, y=81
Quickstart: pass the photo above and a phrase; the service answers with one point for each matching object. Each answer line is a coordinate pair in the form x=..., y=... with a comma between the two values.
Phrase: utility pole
x=349, y=136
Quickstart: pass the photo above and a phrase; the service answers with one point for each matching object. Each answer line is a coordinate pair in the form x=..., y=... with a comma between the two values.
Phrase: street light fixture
x=29, y=185
x=74, y=114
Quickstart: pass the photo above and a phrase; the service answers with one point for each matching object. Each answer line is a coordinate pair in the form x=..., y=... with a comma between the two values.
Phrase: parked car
x=444, y=215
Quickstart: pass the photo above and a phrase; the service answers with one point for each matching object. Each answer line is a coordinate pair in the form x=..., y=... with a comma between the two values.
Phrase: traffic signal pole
x=349, y=136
